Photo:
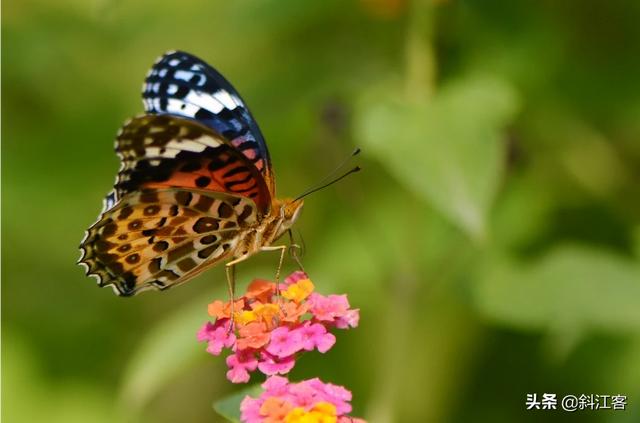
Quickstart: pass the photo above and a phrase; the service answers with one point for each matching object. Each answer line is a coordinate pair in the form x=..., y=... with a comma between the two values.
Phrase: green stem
x=420, y=56
x=396, y=343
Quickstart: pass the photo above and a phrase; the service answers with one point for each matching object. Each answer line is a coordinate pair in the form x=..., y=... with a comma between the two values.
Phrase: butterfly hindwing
x=158, y=238
x=183, y=85
x=161, y=151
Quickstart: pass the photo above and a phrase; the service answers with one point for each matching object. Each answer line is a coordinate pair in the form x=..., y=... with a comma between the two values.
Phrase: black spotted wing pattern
x=159, y=238
x=162, y=151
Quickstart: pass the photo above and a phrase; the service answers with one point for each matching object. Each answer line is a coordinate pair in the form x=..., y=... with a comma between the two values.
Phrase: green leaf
x=524, y=195
x=229, y=407
x=572, y=290
x=447, y=151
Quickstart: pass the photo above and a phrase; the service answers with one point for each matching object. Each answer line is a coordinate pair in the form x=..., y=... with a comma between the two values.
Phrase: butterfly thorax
x=282, y=216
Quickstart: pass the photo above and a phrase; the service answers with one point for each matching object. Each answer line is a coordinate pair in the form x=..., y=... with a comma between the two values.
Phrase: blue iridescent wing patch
x=183, y=85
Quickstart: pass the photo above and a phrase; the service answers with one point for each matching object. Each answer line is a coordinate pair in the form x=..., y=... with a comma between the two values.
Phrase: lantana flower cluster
x=269, y=331
x=307, y=401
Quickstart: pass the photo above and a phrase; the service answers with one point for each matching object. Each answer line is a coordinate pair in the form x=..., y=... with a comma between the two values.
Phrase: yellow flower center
x=322, y=412
x=298, y=291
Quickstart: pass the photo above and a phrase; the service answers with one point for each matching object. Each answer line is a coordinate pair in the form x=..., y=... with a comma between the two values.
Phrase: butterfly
x=195, y=187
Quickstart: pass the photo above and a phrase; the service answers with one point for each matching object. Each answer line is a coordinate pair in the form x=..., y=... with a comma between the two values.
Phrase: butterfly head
x=289, y=210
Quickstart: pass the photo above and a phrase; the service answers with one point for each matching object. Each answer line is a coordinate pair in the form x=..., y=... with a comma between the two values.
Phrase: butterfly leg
x=231, y=283
x=294, y=248
x=283, y=249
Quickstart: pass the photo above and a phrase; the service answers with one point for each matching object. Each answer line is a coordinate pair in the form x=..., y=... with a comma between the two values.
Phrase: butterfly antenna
x=323, y=182
x=354, y=170
x=339, y=167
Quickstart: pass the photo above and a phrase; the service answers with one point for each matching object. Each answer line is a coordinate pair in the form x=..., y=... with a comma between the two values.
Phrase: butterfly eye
x=290, y=211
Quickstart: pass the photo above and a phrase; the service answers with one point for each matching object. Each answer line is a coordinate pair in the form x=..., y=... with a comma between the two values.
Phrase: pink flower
x=270, y=331
x=328, y=308
x=271, y=365
x=350, y=319
x=250, y=410
x=315, y=390
x=217, y=336
x=276, y=385
x=306, y=401
x=284, y=342
x=335, y=394
x=240, y=364
x=314, y=335
x=203, y=333
x=303, y=394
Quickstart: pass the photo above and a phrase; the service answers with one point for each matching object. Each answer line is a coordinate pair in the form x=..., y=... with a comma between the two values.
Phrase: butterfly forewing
x=163, y=151
x=183, y=85
x=158, y=238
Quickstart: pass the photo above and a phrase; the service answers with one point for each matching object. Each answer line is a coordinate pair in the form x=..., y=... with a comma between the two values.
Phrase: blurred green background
x=492, y=242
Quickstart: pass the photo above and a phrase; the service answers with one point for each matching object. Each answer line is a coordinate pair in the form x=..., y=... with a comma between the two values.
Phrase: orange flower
x=260, y=290
x=221, y=310
x=275, y=409
x=252, y=335
x=267, y=313
x=292, y=311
